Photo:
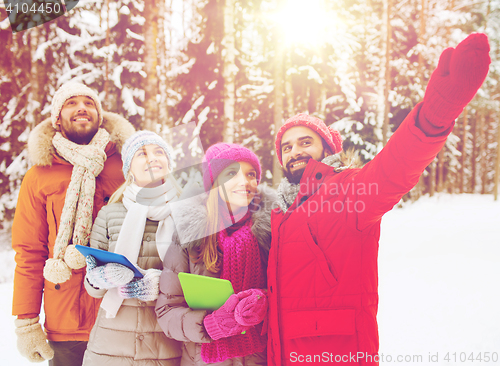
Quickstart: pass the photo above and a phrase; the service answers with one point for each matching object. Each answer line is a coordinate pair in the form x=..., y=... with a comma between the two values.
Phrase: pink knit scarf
x=243, y=267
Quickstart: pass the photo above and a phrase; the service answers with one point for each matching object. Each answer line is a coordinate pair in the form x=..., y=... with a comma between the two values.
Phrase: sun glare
x=304, y=22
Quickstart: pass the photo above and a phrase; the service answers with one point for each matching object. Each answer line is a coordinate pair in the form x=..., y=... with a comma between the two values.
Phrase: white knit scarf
x=141, y=204
x=76, y=217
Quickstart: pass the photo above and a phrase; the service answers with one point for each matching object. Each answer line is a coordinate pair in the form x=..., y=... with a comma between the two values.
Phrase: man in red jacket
x=322, y=274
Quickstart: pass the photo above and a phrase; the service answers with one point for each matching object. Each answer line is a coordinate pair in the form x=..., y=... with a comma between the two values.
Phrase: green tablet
x=203, y=292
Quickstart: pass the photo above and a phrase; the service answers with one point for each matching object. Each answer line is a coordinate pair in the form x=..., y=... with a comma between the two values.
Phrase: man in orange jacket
x=77, y=166
x=322, y=272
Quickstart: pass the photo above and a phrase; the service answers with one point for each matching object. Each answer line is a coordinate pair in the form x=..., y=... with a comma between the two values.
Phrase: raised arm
x=397, y=168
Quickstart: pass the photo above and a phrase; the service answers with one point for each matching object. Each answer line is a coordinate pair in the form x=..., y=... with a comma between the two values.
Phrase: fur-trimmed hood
x=41, y=151
x=192, y=216
x=350, y=159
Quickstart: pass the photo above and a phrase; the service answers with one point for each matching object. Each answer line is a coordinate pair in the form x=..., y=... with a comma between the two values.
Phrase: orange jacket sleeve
x=29, y=241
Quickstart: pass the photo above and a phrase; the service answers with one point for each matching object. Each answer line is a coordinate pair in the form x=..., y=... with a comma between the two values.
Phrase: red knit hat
x=329, y=135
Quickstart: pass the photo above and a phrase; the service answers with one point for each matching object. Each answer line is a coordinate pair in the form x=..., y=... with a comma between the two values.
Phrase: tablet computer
x=203, y=292
x=103, y=257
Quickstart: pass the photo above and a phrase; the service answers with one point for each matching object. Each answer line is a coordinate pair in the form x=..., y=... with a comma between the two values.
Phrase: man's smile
x=81, y=119
x=298, y=164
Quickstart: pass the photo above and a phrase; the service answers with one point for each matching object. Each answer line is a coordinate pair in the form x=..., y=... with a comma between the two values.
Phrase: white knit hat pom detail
x=56, y=271
x=73, y=258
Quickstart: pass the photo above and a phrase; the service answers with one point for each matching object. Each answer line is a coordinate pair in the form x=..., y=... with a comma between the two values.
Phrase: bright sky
x=306, y=22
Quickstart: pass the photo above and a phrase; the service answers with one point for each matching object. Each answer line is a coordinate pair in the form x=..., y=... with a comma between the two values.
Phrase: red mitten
x=458, y=76
x=252, y=308
x=221, y=323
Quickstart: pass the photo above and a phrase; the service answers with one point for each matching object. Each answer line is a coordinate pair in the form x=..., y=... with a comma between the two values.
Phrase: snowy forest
x=204, y=71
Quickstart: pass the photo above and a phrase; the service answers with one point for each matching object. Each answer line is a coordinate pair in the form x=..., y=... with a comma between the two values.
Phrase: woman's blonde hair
x=209, y=251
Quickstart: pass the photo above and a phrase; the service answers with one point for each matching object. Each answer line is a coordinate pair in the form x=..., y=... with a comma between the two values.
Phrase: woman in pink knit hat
x=223, y=232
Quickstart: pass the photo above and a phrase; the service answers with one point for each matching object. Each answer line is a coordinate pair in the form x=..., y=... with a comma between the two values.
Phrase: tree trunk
x=229, y=70
x=322, y=101
x=464, y=151
x=483, y=156
x=440, y=169
x=163, y=117
x=432, y=179
x=278, y=96
x=421, y=40
x=34, y=107
x=420, y=187
x=290, y=105
x=385, y=125
x=474, y=154
x=441, y=155
x=150, y=61
x=497, y=164
x=106, y=65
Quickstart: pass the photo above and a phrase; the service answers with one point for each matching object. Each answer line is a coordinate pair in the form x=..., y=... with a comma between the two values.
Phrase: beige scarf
x=76, y=218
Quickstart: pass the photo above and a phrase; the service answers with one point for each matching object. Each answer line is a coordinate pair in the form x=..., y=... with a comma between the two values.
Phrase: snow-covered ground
x=439, y=271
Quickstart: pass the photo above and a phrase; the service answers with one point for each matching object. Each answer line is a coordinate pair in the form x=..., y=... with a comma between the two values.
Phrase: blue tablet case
x=203, y=292
x=103, y=257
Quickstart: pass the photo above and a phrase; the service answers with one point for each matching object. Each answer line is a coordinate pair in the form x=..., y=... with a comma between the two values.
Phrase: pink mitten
x=252, y=308
x=221, y=323
x=458, y=76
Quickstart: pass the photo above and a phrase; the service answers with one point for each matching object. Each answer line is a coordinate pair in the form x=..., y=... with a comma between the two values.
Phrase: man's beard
x=81, y=137
x=296, y=176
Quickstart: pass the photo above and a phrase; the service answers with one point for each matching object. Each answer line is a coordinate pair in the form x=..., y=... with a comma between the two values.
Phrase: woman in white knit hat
x=136, y=223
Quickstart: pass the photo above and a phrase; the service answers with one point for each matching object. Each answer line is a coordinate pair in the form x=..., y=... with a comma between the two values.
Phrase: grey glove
x=146, y=288
x=32, y=341
x=107, y=276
